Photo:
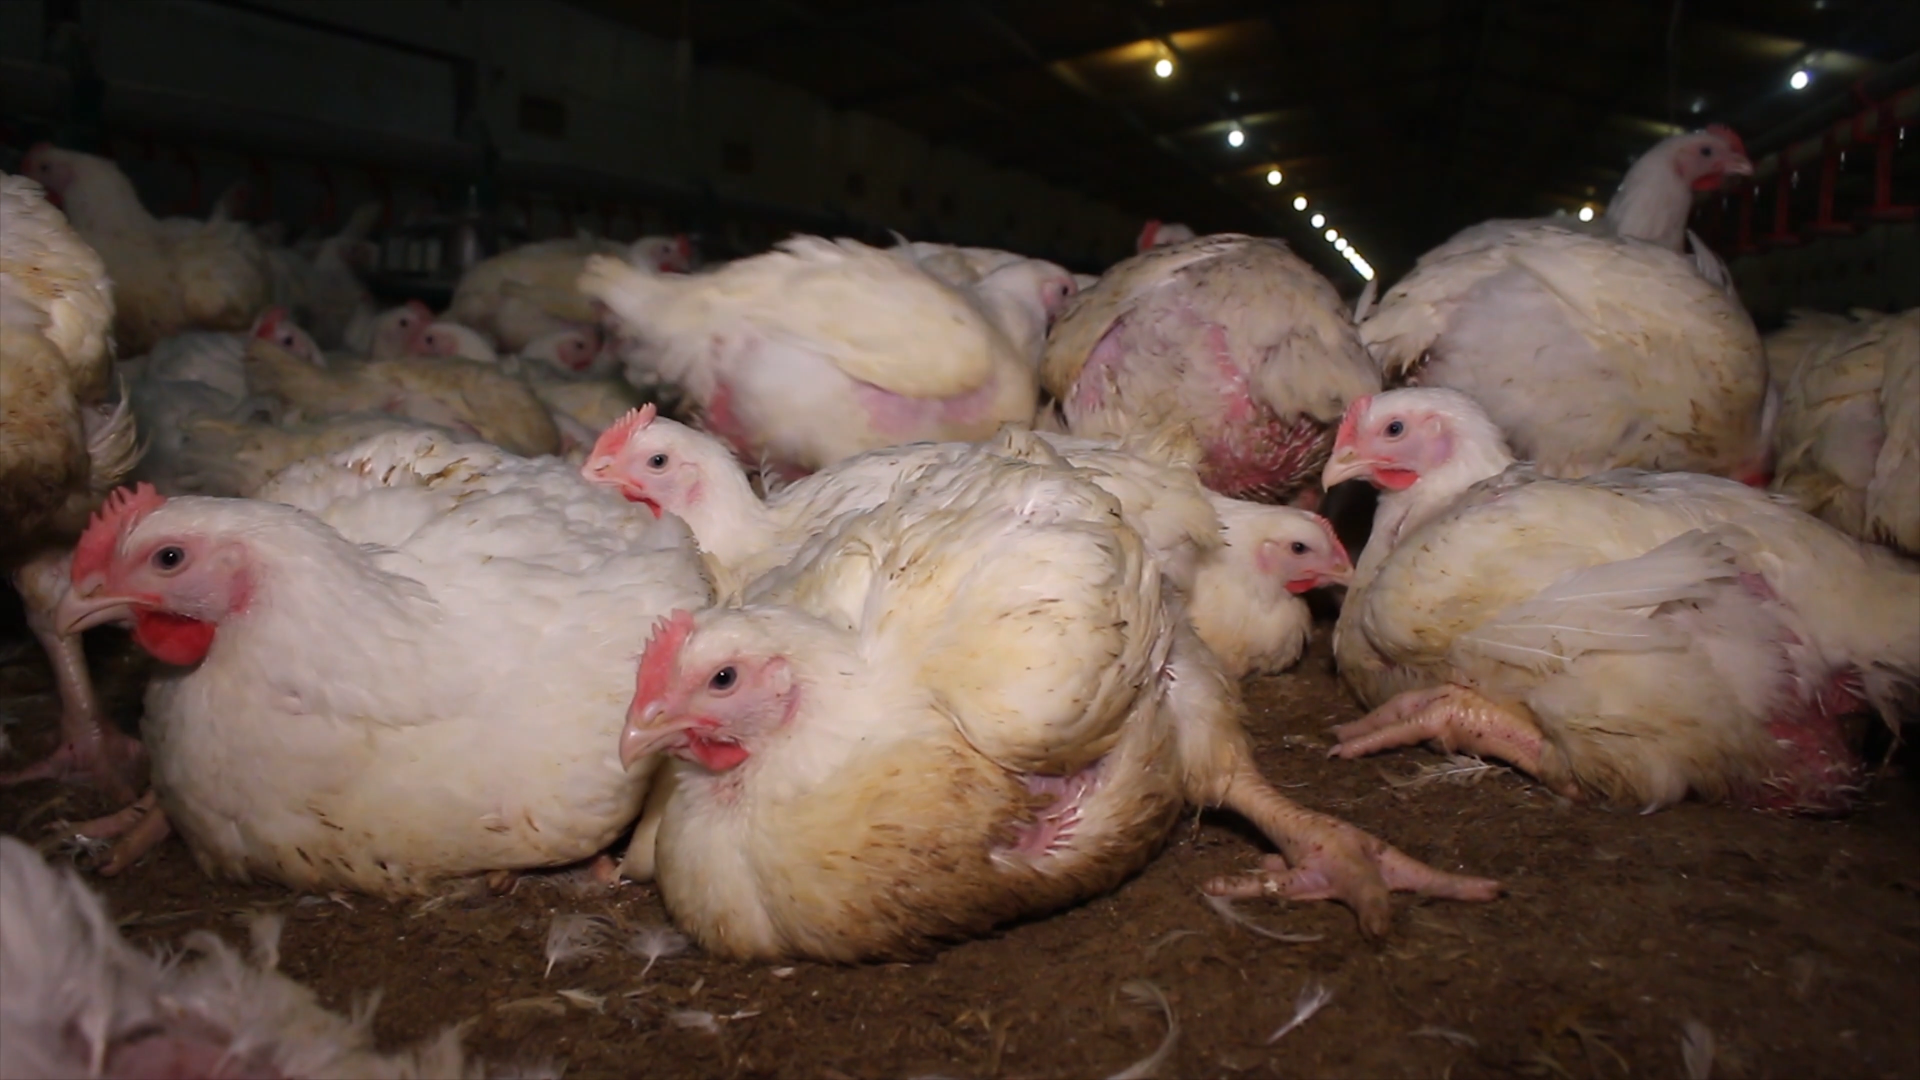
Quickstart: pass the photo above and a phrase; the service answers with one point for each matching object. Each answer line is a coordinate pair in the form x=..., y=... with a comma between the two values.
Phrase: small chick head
x=1706, y=158
x=1301, y=551
x=395, y=328
x=277, y=327
x=708, y=690
x=52, y=168
x=567, y=350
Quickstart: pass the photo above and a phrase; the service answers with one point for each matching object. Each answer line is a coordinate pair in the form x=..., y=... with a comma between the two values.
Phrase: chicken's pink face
x=276, y=327
x=1390, y=446
x=648, y=463
x=1303, y=553
x=573, y=350
x=51, y=169
x=703, y=701
x=450, y=341
x=1705, y=159
x=175, y=585
x=1055, y=291
x=395, y=328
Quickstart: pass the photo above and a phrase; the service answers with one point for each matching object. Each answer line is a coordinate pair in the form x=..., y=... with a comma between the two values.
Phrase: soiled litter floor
x=1794, y=942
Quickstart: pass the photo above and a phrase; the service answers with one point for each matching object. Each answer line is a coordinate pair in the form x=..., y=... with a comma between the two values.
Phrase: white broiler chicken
x=1241, y=562
x=62, y=448
x=324, y=291
x=969, y=704
x=532, y=291
x=398, y=665
x=1593, y=347
x=385, y=335
x=1848, y=439
x=565, y=369
x=1635, y=636
x=81, y=1001
x=955, y=265
x=1233, y=336
x=1023, y=295
x=820, y=350
x=210, y=276
x=461, y=395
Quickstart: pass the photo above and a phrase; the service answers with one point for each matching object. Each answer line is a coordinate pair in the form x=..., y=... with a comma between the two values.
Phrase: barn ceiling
x=1401, y=120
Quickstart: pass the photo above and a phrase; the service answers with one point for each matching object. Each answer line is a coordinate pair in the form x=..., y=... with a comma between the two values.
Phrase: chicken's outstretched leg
x=91, y=748
x=135, y=831
x=1324, y=858
x=1460, y=721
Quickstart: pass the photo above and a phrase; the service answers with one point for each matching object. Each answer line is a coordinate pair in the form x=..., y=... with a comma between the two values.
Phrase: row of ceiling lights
x=1236, y=138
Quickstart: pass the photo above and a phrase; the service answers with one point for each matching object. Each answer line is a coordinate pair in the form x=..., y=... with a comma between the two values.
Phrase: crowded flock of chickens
x=870, y=598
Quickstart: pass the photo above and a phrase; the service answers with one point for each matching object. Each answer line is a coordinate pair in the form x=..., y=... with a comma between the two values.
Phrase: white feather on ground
x=1142, y=992
x=1313, y=997
x=576, y=937
x=81, y=1001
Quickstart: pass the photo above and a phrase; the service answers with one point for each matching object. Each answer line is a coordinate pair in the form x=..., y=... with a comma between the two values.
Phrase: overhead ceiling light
x=1586, y=213
x=1800, y=78
x=1332, y=235
x=1699, y=105
x=1342, y=245
x=1236, y=137
x=1299, y=202
x=1163, y=67
x=1317, y=220
x=1274, y=177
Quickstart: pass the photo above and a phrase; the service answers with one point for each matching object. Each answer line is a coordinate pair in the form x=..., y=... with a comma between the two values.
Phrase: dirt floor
x=1795, y=942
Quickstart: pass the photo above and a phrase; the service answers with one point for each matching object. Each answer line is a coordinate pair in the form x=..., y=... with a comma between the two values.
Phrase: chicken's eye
x=659, y=461
x=723, y=679
x=1706, y=151
x=1299, y=548
x=169, y=558
x=1396, y=429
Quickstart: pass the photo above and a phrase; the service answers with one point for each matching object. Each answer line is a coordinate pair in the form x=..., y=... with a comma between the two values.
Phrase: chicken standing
x=1234, y=336
x=1848, y=439
x=210, y=275
x=402, y=664
x=820, y=350
x=1636, y=636
x=81, y=1001
x=61, y=450
x=1240, y=561
x=1593, y=347
x=970, y=703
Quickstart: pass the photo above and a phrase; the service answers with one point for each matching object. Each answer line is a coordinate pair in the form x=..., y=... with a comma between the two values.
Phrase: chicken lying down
x=385, y=335
x=530, y=292
x=1025, y=295
x=820, y=350
x=1848, y=438
x=82, y=1001
x=1242, y=563
x=970, y=703
x=473, y=398
x=1593, y=346
x=1633, y=636
x=62, y=448
x=1234, y=336
x=324, y=290
x=213, y=276
x=566, y=370
x=402, y=664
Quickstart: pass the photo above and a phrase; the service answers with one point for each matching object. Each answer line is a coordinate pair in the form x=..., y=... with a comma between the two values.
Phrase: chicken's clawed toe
x=134, y=831
x=1457, y=719
x=1336, y=861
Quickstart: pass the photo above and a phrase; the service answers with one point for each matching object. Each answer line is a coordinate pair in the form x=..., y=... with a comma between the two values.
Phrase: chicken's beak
x=77, y=611
x=1739, y=165
x=1346, y=464
x=646, y=734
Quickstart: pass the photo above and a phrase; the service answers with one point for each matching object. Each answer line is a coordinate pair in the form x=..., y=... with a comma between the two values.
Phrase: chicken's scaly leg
x=135, y=831
x=91, y=747
x=1460, y=720
x=1324, y=858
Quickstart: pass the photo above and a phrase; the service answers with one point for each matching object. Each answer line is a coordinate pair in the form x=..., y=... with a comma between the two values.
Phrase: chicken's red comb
x=661, y=656
x=614, y=438
x=420, y=308
x=1350, y=423
x=268, y=325
x=1147, y=234
x=116, y=517
x=1333, y=540
x=1730, y=136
